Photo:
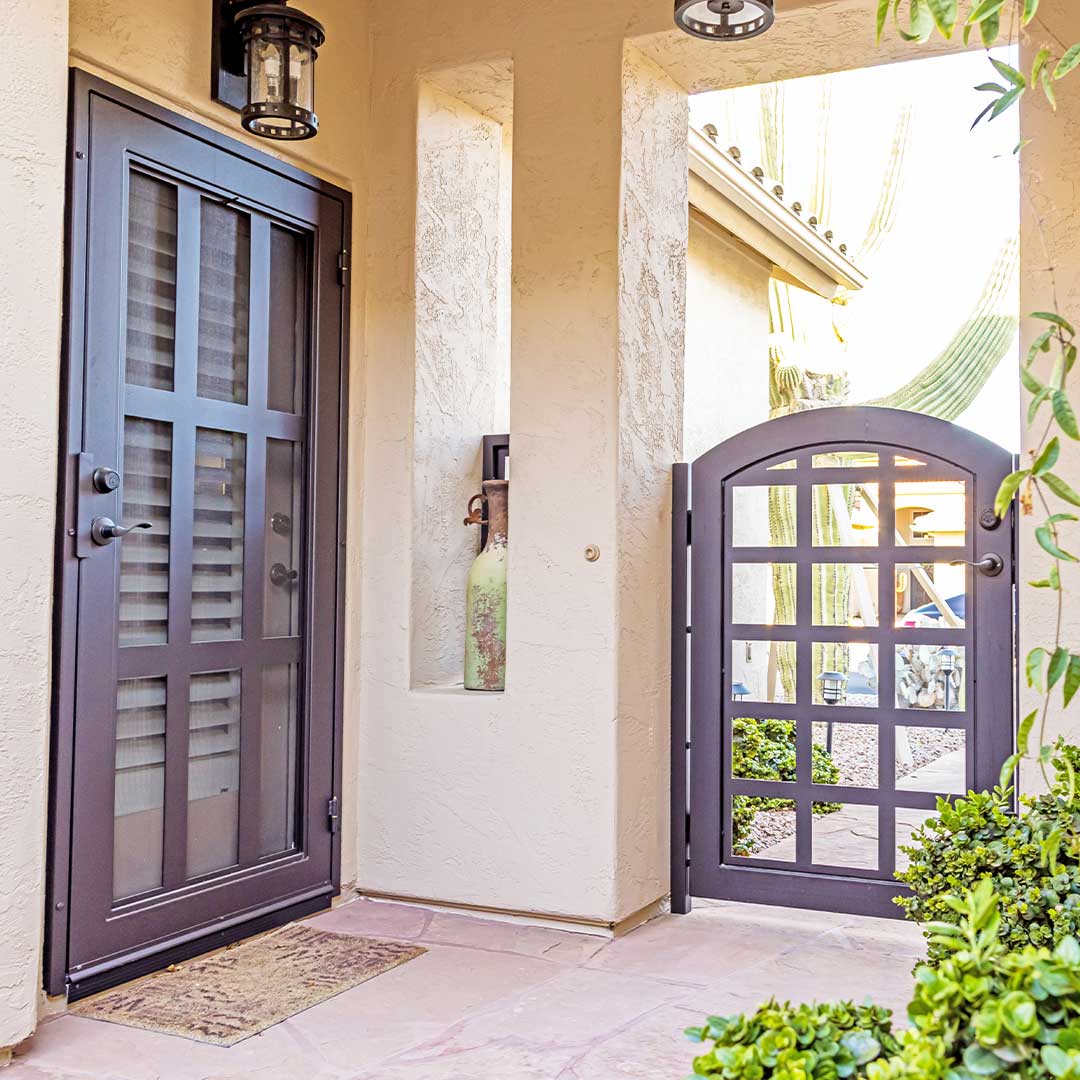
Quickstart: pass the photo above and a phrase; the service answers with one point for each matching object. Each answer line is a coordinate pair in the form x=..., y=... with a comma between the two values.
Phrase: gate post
x=680, y=640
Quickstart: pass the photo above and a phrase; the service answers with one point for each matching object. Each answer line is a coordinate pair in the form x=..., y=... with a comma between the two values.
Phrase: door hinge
x=333, y=814
x=689, y=520
x=343, y=267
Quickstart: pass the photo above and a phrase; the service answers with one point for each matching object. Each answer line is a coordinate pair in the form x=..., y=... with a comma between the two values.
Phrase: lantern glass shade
x=281, y=45
x=724, y=20
x=833, y=684
x=947, y=658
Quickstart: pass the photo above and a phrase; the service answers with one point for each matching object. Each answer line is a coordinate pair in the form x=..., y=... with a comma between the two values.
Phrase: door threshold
x=93, y=980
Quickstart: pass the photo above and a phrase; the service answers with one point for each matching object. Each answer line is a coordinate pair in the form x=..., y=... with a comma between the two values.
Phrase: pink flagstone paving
x=498, y=1001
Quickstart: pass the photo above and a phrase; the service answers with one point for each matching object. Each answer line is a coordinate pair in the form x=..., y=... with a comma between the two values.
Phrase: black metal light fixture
x=833, y=686
x=724, y=20
x=263, y=65
x=948, y=664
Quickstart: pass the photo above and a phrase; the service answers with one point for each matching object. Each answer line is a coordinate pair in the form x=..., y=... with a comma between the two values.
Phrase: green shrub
x=765, y=750
x=787, y=1042
x=1034, y=869
x=986, y=1011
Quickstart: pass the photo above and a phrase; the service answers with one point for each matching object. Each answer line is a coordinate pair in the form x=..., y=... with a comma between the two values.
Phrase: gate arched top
x=849, y=425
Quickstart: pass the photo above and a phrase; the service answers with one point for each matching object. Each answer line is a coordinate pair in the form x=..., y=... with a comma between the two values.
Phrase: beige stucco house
x=510, y=187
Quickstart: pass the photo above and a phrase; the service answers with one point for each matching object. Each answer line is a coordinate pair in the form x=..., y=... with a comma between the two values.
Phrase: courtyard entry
x=842, y=651
x=196, y=746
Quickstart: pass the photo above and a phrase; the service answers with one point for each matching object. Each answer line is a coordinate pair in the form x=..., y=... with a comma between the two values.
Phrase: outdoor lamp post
x=724, y=20
x=833, y=684
x=947, y=663
x=264, y=65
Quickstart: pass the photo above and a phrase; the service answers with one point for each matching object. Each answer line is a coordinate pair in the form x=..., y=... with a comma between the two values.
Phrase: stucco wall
x=462, y=361
x=33, y=84
x=727, y=339
x=1050, y=210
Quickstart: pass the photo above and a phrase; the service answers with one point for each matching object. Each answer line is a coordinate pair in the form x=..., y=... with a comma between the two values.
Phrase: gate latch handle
x=103, y=530
x=991, y=565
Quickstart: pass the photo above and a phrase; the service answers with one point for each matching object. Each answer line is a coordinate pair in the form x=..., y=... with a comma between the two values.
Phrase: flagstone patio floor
x=493, y=1000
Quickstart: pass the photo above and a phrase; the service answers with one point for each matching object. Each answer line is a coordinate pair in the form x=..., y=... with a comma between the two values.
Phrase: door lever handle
x=991, y=565
x=103, y=530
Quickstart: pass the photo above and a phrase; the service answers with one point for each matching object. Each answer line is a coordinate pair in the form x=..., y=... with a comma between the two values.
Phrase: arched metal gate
x=842, y=652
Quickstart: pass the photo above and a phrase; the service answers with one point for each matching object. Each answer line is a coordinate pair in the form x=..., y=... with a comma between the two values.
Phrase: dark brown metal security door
x=851, y=652
x=206, y=343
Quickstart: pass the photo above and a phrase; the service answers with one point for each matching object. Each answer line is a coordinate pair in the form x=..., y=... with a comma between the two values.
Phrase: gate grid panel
x=764, y=664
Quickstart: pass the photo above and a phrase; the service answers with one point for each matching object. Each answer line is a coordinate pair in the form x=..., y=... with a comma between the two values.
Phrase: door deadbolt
x=280, y=574
x=103, y=530
x=105, y=479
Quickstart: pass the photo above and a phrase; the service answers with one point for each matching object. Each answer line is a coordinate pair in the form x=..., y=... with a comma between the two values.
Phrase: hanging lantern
x=724, y=20
x=264, y=66
x=833, y=687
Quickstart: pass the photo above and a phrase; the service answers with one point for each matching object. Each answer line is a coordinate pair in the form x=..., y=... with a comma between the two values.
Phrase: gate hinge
x=333, y=815
x=343, y=266
x=689, y=519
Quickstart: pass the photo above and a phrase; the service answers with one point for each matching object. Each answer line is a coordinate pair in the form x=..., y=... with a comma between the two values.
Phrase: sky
x=957, y=207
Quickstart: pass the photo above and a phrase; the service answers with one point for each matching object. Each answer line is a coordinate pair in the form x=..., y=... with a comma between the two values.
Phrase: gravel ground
x=855, y=754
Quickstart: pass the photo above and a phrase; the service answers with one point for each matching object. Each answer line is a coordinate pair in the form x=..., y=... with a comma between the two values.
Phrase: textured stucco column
x=33, y=85
x=1050, y=237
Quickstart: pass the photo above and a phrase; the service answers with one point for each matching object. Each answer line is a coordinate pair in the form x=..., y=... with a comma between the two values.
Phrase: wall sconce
x=724, y=20
x=833, y=685
x=263, y=65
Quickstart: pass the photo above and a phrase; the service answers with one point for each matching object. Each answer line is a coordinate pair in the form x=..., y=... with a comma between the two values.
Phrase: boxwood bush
x=794, y=1042
x=765, y=750
x=1027, y=856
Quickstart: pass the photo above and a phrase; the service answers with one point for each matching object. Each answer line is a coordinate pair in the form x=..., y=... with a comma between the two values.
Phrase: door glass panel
x=144, y=553
x=224, y=289
x=930, y=677
x=908, y=822
x=845, y=515
x=845, y=834
x=217, y=577
x=213, y=812
x=763, y=671
x=930, y=595
x=139, y=786
x=756, y=589
x=151, y=283
x=931, y=759
x=763, y=516
x=845, y=594
x=846, y=459
x=846, y=754
x=284, y=529
x=288, y=320
x=932, y=513
x=846, y=673
x=763, y=828
x=763, y=749
x=280, y=730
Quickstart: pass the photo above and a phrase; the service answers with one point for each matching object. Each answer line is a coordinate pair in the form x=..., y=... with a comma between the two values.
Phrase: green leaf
x=1031, y=383
x=1064, y=414
x=1059, y=662
x=1072, y=679
x=1057, y=1062
x=1015, y=77
x=989, y=29
x=1048, y=458
x=1031, y=7
x=1069, y=61
x=1036, y=403
x=1061, y=489
x=983, y=10
x=1048, y=88
x=921, y=22
x=1046, y=541
x=982, y=1062
x=1053, y=317
x=945, y=13
x=1007, y=770
x=1040, y=63
x=1040, y=344
x=1023, y=733
x=1033, y=666
x=1006, y=101
x=1007, y=491
x=996, y=88
x=882, y=17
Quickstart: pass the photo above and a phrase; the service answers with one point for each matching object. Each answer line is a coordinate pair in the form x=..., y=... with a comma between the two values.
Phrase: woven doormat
x=241, y=991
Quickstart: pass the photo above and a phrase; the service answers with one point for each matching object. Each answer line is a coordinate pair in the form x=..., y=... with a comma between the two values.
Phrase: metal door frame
x=84, y=90
x=699, y=638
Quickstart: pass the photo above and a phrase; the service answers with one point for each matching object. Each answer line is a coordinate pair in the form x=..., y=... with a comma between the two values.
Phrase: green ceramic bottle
x=485, y=596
